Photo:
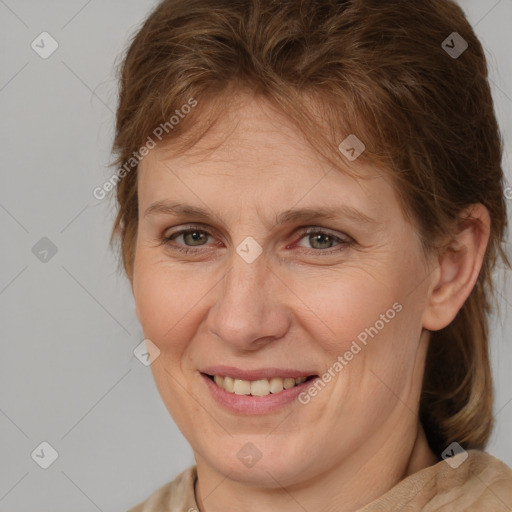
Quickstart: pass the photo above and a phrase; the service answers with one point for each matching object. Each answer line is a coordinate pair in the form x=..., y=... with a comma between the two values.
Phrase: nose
x=249, y=311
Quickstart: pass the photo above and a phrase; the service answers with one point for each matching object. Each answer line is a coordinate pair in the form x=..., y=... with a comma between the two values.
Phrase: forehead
x=253, y=138
x=254, y=156
x=248, y=126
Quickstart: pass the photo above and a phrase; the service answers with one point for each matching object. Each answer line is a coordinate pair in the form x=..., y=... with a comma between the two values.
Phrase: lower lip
x=248, y=404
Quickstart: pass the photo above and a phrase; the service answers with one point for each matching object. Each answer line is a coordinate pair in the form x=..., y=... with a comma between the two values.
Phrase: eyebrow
x=288, y=216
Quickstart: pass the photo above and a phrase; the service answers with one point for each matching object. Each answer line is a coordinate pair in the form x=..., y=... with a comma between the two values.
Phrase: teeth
x=228, y=384
x=261, y=387
x=288, y=383
x=242, y=387
x=276, y=385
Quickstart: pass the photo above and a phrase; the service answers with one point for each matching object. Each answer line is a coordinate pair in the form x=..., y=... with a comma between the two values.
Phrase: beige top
x=481, y=483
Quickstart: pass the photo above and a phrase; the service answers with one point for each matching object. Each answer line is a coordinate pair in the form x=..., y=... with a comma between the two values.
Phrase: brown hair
x=371, y=68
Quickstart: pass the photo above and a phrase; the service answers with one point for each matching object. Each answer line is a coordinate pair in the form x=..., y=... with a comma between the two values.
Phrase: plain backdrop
x=68, y=375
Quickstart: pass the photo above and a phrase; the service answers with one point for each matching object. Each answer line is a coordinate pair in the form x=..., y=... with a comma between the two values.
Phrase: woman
x=310, y=207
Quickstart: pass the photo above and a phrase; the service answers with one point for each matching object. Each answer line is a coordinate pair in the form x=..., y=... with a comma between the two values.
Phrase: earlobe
x=458, y=265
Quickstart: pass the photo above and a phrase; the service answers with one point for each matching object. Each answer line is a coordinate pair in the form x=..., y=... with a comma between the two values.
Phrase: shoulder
x=174, y=496
x=472, y=480
x=486, y=481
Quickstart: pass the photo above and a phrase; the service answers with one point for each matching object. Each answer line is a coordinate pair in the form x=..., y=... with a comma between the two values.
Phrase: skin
x=295, y=308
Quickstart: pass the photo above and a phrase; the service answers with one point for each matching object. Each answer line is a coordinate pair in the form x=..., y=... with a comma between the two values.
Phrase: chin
x=259, y=461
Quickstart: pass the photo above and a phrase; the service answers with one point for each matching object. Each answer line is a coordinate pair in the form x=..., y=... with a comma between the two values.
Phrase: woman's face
x=272, y=288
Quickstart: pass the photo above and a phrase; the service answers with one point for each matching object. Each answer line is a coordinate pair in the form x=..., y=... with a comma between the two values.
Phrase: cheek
x=335, y=306
x=368, y=316
x=166, y=299
x=340, y=306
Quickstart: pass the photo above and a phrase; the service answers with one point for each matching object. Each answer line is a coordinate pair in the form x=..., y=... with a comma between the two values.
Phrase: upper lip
x=255, y=374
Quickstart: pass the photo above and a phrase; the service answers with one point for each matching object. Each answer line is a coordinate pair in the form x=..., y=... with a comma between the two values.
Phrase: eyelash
x=342, y=243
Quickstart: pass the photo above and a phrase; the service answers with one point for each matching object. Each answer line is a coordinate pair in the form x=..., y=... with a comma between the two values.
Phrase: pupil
x=196, y=236
x=318, y=238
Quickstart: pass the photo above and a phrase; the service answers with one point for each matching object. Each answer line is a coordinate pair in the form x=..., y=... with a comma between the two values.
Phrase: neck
x=421, y=454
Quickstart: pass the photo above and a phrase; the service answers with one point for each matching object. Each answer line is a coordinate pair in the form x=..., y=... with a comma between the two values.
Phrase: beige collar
x=479, y=483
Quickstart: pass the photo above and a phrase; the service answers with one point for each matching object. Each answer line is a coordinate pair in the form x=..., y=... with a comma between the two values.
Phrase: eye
x=191, y=237
x=319, y=240
x=322, y=241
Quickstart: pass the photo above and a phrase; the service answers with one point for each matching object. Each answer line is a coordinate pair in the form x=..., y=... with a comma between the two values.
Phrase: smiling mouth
x=260, y=387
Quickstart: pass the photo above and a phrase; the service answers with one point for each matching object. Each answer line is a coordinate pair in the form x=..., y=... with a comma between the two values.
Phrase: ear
x=457, y=268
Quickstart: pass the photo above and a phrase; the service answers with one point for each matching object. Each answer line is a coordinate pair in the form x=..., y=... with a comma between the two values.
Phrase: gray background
x=68, y=375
